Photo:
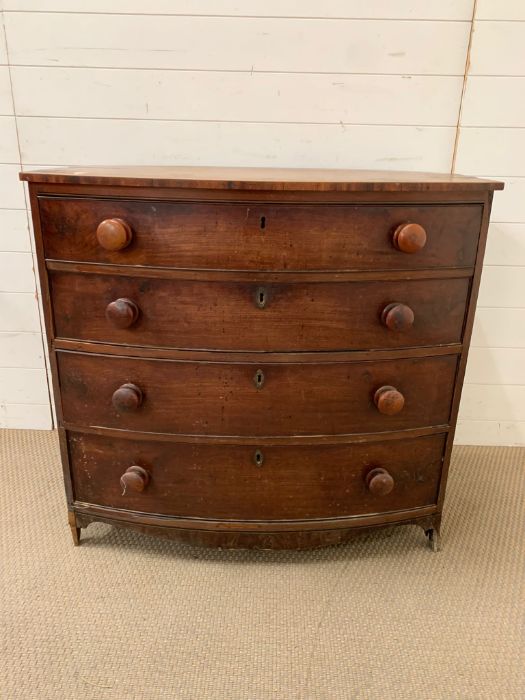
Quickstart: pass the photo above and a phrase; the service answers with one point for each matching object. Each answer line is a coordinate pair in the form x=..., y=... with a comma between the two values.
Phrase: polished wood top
x=277, y=179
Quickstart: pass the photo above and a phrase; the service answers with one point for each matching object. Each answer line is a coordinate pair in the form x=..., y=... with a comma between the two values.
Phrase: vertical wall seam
x=464, y=88
x=29, y=227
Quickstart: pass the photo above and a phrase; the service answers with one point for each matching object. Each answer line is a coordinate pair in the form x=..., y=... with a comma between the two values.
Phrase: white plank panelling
x=28, y=416
x=497, y=48
x=105, y=142
x=501, y=151
x=21, y=350
x=6, y=103
x=499, y=328
x=495, y=403
x=401, y=9
x=11, y=189
x=17, y=272
x=8, y=141
x=506, y=245
x=23, y=386
x=3, y=45
x=496, y=366
x=19, y=312
x=14, y=232
x=509, y=204
x=477, y=432
x=490, y=101
x=260, y=97
x=498, y=9
x=245, y=44
x=502, y=286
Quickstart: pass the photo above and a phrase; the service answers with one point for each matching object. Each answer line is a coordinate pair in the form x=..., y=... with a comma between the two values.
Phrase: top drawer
x=258, y=236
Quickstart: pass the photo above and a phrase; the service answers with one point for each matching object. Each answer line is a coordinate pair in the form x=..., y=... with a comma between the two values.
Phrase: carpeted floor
x=130, y=617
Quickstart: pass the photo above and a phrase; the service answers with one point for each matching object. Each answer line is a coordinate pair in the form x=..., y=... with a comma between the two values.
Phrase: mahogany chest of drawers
x=257, y=358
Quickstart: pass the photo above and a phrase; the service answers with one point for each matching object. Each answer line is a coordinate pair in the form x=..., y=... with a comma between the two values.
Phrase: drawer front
x=241, y=316
x=209, y=398
x=259, y=236
x=224, y=481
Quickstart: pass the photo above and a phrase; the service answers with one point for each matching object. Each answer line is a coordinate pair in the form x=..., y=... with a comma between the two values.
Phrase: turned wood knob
x=134, y=479
x=127, y=397
x=122, y=313
x=379, y=482
x=114, y=234
x=389, y=400
x=397, y=317
x=409, y=238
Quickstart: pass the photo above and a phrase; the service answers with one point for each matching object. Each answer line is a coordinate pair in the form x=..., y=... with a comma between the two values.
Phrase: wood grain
x=226, y=316
x=259, y=236
x=222, y=481
x=204, y=398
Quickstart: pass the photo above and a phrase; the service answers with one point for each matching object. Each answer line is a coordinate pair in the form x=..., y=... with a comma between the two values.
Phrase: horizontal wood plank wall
x=279, y=83
x=491, y=142
x=24, y=395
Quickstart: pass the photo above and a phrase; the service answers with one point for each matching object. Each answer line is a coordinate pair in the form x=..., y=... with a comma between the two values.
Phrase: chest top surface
x=269, y=179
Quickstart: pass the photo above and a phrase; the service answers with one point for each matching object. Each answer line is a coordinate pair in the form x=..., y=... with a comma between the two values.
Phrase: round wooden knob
x=409, y=238
x=134, y=479
x=379, y=482
x=127, y=397
x=389, y=400
x=122, y=313
x=114, y=234
x=397, y=317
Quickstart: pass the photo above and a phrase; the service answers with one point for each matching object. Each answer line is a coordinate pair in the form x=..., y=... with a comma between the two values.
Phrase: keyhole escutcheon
x=258, y=379
x=258, y=458
x=261, y=297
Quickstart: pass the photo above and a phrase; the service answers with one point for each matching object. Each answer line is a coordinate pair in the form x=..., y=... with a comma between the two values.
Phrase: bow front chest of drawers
x=257, y=358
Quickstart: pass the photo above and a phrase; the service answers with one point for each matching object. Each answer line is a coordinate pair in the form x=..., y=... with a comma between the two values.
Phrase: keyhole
x=258, y=458
x=258, y=379
x=260, y=297
x=263, y=222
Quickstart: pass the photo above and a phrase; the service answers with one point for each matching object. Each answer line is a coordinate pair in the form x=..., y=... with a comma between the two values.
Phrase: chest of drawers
x=257, y=358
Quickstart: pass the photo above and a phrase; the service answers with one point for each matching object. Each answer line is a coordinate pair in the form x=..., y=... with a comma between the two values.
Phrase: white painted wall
x=343, y=83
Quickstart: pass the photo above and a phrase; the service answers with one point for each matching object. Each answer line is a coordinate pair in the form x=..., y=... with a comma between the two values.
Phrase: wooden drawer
x=260, y=236
x=189, y=314
x=224, y=482
x=279, y=399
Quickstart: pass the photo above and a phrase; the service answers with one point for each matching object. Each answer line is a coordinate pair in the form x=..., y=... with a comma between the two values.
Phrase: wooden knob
x=122, y=313
x=114, y=234
x=397, y=317
x=379, y=482
x=127, y=397
x=389, y=400
x=409, y=238
x=134, y=479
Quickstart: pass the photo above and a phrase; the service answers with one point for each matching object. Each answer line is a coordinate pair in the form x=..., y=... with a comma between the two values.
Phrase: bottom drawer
x=269, y=482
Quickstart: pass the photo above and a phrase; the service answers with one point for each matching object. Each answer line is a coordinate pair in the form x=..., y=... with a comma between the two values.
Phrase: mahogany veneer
x=257, y=358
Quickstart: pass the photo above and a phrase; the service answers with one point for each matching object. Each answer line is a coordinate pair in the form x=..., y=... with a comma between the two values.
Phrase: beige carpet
x=130, y=617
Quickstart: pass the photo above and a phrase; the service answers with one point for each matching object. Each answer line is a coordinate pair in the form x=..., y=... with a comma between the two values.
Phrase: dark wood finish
x=222, y=482
x=227, y=538
x=266, y=179
x=359, y=253
x=206, y=398
x=294, y=316
x=258, y=236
